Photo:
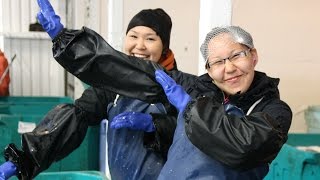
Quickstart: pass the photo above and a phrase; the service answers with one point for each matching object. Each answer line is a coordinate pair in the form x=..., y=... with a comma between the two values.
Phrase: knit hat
x=156, y=19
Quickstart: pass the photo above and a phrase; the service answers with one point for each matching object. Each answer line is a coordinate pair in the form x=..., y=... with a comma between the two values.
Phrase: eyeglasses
x=217, y=63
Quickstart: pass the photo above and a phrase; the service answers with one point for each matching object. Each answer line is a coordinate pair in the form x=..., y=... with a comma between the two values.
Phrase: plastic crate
x=19, y=114
x=73, y=175
x=86, y=157
x=304, y=139
x=26, y=109
x=294, y=164
x=34, y=99
x=26, y=105
x=69, y=175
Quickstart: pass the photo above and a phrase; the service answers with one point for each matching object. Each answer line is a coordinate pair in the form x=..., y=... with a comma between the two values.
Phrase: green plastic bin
x=27, y=105
x=26, y=109
x=34, y=99
x=294, y=164
x=86, y=157
x=69, y=175
x=9, y=128
x=73, y=175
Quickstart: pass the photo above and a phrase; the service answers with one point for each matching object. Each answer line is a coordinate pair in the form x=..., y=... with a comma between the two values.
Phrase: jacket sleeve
x=61, y=131
x=241, y=143
x=85, y=54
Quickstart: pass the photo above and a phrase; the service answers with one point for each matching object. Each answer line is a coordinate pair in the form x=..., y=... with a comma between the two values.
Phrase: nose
x=229, y=66
x=140, y=44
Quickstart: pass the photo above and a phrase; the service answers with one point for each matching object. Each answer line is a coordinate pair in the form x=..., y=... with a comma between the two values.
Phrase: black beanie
x=156, y=19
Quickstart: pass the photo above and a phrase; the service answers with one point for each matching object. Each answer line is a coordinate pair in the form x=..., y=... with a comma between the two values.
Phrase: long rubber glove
x=48, y=18
x=133, y=120
x=7, y=170
x=176, y=95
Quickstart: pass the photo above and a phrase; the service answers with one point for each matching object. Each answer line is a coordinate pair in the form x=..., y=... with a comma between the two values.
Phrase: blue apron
x=127, y=157
x=185, y=161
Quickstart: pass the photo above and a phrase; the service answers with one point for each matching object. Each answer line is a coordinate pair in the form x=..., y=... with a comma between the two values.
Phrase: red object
x=4, y=86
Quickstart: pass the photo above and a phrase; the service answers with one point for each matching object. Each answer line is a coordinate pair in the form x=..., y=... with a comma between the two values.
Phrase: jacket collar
x=262, y=86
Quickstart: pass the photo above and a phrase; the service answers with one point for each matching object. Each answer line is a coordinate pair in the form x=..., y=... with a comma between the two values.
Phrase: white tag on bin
x=24, y=127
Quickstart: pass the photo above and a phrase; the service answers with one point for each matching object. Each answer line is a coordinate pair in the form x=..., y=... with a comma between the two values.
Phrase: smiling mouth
x=140, y=56
x=233, y=79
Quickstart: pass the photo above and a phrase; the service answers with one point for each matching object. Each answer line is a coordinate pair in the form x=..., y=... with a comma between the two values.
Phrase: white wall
x=286, y=34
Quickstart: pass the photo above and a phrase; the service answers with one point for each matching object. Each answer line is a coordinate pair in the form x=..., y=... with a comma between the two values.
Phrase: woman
x=147, y=37
x=132, y=154
x=244, y=124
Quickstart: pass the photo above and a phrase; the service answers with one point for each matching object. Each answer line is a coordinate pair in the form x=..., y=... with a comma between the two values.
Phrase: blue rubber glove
x=232, y=109
x=7, y=170
x=48, y=19
x=133, y=120
x=176, y=95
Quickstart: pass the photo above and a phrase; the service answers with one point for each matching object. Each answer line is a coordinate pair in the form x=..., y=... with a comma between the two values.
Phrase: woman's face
x=231, y=77
x=143, y=42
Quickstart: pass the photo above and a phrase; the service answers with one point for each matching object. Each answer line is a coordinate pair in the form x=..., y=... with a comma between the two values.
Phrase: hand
x=175, y=93
x=232, y=109
x=21, y=161
x=48, y=18
x=133, y=120
x=7, y=170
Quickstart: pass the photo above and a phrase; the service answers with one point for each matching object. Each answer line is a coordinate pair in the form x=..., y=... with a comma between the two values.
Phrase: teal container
x=312, y=117
x=73, y=175
x=85, y=157
x=26, y=109
x=20, y=114
x=34, y=99
x=28, y=105
x=294, y=164
x=10, y=131
x=69, y=175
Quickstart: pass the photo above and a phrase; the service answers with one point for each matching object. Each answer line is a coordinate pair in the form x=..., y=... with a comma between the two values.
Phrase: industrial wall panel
x=34, y=72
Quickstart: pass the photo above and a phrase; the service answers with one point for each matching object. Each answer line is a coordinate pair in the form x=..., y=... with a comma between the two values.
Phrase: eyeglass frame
x=242, y=54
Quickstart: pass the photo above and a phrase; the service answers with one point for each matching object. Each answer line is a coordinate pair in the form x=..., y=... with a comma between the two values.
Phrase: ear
x=255, y=57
